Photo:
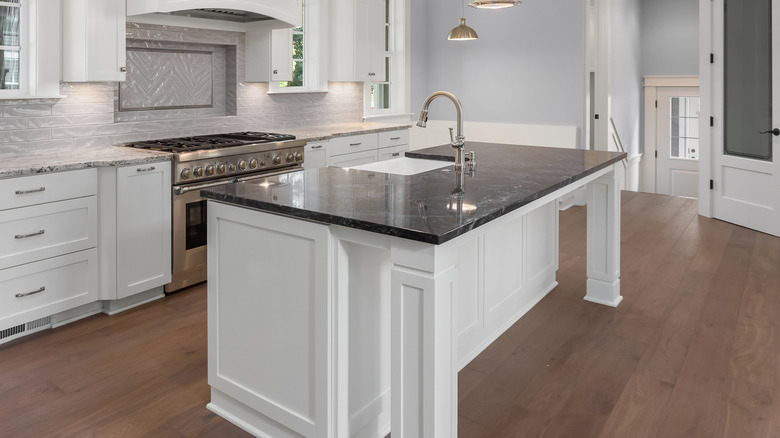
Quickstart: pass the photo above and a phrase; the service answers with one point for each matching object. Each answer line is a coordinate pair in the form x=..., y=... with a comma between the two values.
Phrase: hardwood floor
x=690, y=352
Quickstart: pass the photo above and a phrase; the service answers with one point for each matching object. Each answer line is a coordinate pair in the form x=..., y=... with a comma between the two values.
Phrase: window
x=684, y=127
x=10, y=44
x=378, y=94
x=297, y=59
x=306, y=77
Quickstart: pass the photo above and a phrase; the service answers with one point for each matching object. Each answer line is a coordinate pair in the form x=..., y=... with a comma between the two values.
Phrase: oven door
x=189, y=235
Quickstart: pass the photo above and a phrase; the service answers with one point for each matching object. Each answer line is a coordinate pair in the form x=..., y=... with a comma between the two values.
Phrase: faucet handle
x=452, y=139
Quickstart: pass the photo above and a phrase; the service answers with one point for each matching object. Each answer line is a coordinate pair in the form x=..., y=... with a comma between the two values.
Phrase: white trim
x=706, y=144
x=672, y=81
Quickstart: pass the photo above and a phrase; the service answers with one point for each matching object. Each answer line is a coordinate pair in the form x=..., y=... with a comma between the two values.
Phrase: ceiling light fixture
x=462, y=32
x=494, y=4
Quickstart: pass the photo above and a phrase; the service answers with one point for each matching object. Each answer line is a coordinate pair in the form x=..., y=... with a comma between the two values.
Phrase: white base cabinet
x=48, y=235
x=135, y=229
x=355, y=150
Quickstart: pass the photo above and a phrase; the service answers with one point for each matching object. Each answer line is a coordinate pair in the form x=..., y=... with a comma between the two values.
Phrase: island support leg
x=424, y=379
x=603, y=253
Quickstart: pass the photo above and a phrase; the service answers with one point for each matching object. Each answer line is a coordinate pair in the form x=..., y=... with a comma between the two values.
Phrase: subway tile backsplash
x=87, y=117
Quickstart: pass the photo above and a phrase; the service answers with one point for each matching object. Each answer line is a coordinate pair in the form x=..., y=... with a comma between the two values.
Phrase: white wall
x=626, y=72
x=670, y=37
x=525, y=68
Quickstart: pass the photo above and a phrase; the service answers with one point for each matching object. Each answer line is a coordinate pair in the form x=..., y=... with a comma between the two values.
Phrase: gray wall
x=626, y=72
x=670, y=37
x=526, y=67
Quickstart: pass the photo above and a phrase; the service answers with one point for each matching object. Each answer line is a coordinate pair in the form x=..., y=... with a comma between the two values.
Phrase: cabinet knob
x=276, y=72
x=123, y=69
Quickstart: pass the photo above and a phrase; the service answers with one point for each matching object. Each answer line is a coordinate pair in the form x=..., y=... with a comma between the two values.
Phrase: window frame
x=396, y=49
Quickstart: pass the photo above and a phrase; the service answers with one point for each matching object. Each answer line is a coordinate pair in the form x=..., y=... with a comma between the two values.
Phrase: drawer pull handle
x=395, y=154
x=24, y=192
x=355, y=144
x=319, y=146
x=24, y=236
x=395, y=138
x=25, y=294
x=148, y=169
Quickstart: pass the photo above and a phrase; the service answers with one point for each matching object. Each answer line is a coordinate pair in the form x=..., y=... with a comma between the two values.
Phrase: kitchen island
x=331, y=289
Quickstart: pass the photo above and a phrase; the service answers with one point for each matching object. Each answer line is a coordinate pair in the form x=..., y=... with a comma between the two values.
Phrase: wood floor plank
x=638, y=409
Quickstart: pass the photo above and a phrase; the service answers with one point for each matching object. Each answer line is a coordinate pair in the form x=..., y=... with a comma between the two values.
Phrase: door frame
x=647, y=180
x=708, y=143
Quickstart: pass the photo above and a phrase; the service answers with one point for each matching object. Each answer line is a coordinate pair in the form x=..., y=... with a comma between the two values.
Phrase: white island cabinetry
x=48, y=260
x=135, y=230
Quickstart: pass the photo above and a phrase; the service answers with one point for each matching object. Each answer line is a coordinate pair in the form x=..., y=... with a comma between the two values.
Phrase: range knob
x=221, y=168
x=198, y=172
x=277, y=159
x=298, y=156
x=263, y=163
x=290, y=158
x=210, y=170
x=253, y=163
x=186, y=173
x=232, y=167
x=242, y=165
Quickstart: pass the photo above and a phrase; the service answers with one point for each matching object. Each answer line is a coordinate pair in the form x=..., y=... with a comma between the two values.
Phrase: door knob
x=775, y=131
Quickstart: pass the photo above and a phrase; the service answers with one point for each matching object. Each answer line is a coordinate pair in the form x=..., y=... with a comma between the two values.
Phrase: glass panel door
x=10, y=45
x=748, y=78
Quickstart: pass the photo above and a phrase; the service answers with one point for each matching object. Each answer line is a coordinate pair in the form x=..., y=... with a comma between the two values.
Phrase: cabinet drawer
x=48, y=187
x=392, y=152
x=39, y=289
x=393, y=138
x=42, y=231
x=352, y=144
x=356, y=159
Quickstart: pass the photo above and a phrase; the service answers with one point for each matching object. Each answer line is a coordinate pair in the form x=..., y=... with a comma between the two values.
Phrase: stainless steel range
x=210, y=160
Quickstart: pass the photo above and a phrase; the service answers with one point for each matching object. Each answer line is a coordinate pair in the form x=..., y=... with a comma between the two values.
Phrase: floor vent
x=20, y=330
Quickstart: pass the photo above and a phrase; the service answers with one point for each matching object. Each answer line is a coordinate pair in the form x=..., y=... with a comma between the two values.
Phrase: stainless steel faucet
x=456, y=142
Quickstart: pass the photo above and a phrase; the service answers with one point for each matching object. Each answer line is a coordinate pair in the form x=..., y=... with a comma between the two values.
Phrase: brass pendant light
x=461, y=32
x=494, y=4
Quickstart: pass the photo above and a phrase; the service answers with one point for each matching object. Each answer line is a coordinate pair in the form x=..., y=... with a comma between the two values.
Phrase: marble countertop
x=71, y=159
x=318, y=133
x=420, y=207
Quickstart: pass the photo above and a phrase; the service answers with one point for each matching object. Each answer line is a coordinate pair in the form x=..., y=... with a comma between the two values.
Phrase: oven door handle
x=180, y=190
x=269, y=174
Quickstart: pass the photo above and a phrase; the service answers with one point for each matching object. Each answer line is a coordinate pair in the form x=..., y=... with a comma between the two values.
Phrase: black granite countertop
x=420, y=207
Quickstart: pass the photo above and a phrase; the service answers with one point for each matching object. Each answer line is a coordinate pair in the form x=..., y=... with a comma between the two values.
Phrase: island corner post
x=313, y=352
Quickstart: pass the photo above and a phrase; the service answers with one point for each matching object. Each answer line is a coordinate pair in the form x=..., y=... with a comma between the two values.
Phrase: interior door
x=746, y=172
x=677, y=141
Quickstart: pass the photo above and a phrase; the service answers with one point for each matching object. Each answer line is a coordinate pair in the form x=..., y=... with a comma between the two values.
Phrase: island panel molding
x=367, y=218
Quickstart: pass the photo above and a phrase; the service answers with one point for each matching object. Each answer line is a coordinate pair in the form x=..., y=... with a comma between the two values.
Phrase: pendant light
x=494, y=4
x=462, y=32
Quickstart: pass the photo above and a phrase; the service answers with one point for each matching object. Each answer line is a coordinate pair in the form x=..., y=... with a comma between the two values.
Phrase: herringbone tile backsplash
x=88, y=114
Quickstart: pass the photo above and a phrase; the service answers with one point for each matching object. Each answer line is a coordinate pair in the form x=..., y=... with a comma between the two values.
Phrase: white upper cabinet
x=358, y=30
x=268, y=52
x=93, y=40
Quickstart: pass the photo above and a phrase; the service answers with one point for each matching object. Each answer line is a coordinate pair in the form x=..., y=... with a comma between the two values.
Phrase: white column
x=424, y=376
x=603, y=270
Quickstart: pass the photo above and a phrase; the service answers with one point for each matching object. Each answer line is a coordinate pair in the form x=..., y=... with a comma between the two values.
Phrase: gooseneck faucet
x=456, y=142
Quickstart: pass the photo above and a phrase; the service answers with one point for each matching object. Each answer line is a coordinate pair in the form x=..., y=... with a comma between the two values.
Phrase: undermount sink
x=403, y=166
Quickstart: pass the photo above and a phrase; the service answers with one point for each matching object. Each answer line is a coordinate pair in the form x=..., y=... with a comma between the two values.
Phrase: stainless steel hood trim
x=288, y=11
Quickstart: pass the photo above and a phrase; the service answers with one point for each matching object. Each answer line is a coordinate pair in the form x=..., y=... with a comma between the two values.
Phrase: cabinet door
x=370, y=40
x=143, y=228
x=281, y=55
x=93, y=43
x=315, y=155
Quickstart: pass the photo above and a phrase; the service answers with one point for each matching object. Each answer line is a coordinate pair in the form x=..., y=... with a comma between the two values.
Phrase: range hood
x=241, y=11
